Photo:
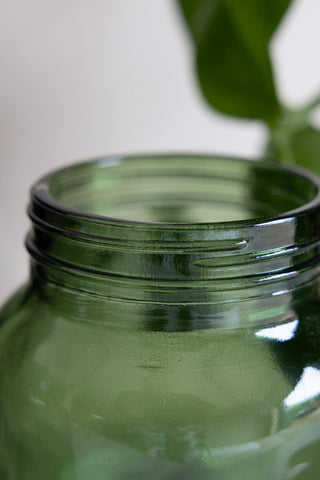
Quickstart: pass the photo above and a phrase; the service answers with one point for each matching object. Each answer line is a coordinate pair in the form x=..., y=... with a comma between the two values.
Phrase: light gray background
x=82, y=78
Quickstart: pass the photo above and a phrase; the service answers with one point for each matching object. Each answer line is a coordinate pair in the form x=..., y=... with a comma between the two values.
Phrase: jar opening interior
x=181, y=189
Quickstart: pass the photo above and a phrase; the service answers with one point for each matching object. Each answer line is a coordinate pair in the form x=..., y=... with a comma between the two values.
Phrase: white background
x=82, y=78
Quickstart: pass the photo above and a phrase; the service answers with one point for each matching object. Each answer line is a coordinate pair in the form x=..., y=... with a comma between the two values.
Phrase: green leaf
x=306, y=148
x=301, y=146
x=233, y=63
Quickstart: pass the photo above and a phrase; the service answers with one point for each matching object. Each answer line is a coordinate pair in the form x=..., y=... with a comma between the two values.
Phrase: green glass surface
x=170, y=328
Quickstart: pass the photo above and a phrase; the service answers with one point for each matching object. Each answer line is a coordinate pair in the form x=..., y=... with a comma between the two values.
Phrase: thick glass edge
x=40, y=193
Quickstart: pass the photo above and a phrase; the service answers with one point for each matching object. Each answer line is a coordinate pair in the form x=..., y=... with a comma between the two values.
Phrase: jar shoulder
x=64, y=380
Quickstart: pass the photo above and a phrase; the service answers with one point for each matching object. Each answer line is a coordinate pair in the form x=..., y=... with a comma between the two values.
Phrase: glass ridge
x=270, y=244
x=216, y=267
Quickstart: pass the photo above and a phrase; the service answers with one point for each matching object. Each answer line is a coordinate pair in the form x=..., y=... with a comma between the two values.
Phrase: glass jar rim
x=41, y=192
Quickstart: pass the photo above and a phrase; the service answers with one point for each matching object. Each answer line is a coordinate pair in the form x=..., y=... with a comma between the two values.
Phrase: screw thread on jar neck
x=214, y=235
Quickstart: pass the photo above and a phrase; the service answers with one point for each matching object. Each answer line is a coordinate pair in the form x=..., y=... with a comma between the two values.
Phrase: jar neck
x=218, y=274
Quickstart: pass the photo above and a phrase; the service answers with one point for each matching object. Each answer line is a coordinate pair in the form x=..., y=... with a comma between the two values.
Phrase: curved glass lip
x=40, y=192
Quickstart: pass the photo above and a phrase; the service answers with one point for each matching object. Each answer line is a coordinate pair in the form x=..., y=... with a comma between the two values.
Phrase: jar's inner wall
x=181, y=189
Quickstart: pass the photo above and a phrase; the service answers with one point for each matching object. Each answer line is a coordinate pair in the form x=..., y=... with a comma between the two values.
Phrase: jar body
x=82, y=399
x=163, y=345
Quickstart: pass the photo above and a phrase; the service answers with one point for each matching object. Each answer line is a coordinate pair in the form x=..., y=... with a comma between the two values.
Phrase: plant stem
x=315, y=103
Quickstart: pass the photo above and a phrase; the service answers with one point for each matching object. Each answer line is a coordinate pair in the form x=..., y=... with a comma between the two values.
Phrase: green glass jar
x=171, y=325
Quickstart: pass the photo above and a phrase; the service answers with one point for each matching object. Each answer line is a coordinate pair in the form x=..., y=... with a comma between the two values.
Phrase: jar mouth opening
x=130, y=226
x=174, y=191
